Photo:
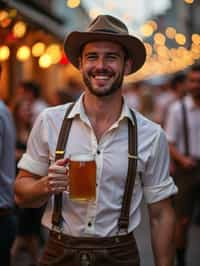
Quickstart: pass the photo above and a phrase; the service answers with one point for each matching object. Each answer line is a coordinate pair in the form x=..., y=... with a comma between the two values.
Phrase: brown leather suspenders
x=185, y=128
x=131, y=175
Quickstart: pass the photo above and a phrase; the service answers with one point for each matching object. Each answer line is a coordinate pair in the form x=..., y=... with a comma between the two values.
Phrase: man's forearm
x=162, y=234
x=31, y=192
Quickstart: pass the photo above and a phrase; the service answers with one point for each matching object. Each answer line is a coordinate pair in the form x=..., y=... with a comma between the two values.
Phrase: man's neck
x=103, y=108
x=102, y=112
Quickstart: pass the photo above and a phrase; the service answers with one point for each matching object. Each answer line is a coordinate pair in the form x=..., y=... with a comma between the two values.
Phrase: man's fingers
x=62, y=162
x=57, y=169
x=56, y=185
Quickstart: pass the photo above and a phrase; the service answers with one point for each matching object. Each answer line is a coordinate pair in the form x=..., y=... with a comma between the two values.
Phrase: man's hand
x=187, y=162
x=33, y=191
x=57, y=180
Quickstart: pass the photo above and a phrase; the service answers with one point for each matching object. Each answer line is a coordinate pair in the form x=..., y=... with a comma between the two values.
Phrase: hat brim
x=133, y=46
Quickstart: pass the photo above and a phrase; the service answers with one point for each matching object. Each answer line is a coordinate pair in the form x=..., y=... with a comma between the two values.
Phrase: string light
x=38, y=49
x=180, y=38
x=146, y=30
x=189, y=1
x=23, y=53
x=45, y=61
x=159, y=38
x=73, y=3
x=196, y=38
x=170, y=32
x=19, y=29
x=4, y=53
x=54, y=51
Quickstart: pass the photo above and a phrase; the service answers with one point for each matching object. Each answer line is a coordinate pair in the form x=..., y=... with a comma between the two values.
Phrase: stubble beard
x=116, y=85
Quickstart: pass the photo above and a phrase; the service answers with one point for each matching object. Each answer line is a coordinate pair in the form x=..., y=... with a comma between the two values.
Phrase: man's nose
x=100, y=63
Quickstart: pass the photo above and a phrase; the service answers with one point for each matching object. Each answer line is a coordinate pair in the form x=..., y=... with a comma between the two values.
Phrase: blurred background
x=32, y=34
x=36, y=72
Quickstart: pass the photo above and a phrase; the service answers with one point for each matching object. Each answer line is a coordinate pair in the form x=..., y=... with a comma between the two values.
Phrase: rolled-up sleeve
x=157, y=183
x=36, y=160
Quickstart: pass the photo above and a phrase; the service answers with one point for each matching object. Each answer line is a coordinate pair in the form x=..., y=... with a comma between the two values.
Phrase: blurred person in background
x=183, y=133
x=178, y=85
x=61, y=96
x=28, y=219
x=31, y=91
x=131, y=92
x=100, y=232
x=147, y=102
x=164, y=96
x=7, y=176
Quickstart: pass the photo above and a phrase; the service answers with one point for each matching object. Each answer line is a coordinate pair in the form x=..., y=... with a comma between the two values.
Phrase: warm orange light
x=180, y=38
x=146, y=30
x=4, y=53
x=162, y=51
x=189, y=1
x=23, y=53
x=3, y=15
x=12, y=13
x=38, y=49
x=45, y=61
x=54, y=52
x=73, y=3
x=170, y=32
x=159, y=38
x=153, y=24
x=19, y=29
x=196, y=38
x=148, y=48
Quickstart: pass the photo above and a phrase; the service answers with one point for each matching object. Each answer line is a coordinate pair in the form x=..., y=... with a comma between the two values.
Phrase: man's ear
x=128, y=66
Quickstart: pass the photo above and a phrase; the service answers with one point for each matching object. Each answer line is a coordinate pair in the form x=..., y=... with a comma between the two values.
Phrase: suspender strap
x=131, y=175
x=60, y=150
x=185, y=128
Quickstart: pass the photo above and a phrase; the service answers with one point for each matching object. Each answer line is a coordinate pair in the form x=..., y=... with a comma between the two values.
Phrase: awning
x=39, y=14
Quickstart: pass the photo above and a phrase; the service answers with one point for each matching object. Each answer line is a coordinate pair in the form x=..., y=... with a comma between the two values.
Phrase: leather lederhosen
x=119, y=250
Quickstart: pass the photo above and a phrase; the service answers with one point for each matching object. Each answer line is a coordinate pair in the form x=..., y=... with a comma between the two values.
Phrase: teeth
x=101, y=77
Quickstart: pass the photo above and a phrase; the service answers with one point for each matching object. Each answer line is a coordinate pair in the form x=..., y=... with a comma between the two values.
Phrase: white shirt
x=101, y=217
x=174, y=126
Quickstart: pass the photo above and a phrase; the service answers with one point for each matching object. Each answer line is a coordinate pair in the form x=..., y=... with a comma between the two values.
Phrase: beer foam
x=82, y=157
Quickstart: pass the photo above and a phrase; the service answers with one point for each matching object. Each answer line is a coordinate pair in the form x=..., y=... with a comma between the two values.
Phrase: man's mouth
x=100, y=77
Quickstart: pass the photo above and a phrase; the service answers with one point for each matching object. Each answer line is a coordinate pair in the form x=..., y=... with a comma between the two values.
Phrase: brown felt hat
x=105, y=28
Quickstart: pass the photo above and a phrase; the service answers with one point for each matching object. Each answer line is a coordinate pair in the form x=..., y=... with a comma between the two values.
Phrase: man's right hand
x=57, y=180
x=187, y=162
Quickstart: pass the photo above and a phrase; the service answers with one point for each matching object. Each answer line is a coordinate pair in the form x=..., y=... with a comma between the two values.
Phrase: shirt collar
x=78, y=110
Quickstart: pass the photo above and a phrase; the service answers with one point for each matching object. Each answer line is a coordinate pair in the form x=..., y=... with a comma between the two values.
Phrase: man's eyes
x=107, y=57
x=91, y=57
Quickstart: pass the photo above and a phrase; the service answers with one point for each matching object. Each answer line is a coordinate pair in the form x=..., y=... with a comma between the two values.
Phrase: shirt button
x=98, y=152
x=89, y=224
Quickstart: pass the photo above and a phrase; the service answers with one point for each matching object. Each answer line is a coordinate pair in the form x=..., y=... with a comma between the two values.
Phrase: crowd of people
x=167, y=119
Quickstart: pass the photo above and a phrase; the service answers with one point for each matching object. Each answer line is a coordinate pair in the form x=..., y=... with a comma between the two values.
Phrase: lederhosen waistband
x=102, y=243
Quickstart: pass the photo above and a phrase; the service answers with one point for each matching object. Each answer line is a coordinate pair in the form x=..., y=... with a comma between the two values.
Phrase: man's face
x=102, y=65
x=193, y=83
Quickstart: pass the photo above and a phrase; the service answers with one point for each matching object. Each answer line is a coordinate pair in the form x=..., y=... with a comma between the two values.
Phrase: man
x=183, y=132
x=93, y=233
x=7, y=175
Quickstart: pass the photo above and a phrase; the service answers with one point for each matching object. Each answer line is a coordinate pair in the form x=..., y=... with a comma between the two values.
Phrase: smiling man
x=131, y=157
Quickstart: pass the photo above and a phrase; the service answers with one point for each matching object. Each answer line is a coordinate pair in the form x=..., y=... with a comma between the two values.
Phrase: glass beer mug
x=82, y=177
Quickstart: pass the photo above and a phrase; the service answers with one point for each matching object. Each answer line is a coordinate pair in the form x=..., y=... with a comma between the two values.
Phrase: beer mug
x=82, y=177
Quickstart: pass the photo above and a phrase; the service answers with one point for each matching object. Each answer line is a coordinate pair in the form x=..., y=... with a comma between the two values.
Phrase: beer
x=82, y=177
